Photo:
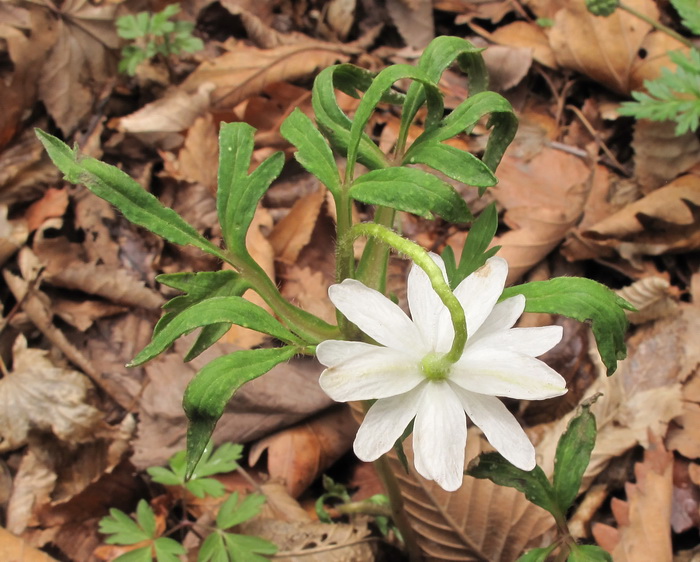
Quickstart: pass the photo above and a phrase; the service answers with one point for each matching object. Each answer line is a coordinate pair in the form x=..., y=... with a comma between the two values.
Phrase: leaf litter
x=581, y=191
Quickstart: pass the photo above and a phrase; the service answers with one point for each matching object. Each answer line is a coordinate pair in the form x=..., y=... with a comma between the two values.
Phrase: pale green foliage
x=689, y=10
x=674, y=96
x=154, y=34
x=220, y=545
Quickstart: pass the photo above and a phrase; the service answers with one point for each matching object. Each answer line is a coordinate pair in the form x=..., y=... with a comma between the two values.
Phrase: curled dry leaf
x=245, y=71
x=644, y=394
x=603, y=48
x=528, y=36
x=653, y=297
x=13, y=235
x=198, y=158
x=300, y=454
x=660, y=155
x=643, y=532
x=481, y=521
x=684, y=434
x=507, y=66
x=665, y=220
x=40, y=396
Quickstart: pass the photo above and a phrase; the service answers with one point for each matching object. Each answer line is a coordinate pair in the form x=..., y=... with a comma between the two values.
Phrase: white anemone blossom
x=498, y=360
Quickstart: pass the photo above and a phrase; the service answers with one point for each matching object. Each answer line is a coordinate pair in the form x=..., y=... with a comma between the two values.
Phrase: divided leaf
x=586, y=301
x=411, y=190
x=213, y=386
x=116, y=187
x=216, y=310
x=454, y=163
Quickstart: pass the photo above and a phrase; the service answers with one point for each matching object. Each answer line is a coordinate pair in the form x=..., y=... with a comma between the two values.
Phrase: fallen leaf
x=643, y=531
x=246, y=70
x=308, y=289
x=52, y=205
x=507, y=66
x=665, y=220
x=653, y=297
x=13, y=235
x=293, y=232
x=40, y=396
x=529, y=36
x=14, y=548
x=414, y=20
x=300, y=454
x=199, y=156
x=660, y=155
x=603, y=48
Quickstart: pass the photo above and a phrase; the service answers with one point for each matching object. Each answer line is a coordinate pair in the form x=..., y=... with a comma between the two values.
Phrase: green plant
x=455, y=301
x=154, y=35
x=220, y=545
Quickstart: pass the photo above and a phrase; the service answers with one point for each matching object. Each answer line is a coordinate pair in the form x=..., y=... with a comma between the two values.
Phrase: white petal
x=500, y=427
x=377, y=373
x=384, y=423
x=440, y=436
x=506, y=373
x=334, y=352
x=424, y=302
x=479, y=292
x=529, y=341
x=503, y=316
x=375, y=315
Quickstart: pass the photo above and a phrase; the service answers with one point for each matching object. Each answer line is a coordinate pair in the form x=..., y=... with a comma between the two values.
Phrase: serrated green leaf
x=223, y=459
x=168, y=550
x=453, y=162
x=411, y=190
x=116, y=187
x=232, y=513
x=588, y=553
x=213, y=549
x=382, y=84
x=474, y=251
x=572, y=457
x=239, y=193
x=313, y=152
x=586, y=301
x=231, y=310
x=331, y=120
x=164, y=476
x=436, y=58
x=122, y=528
x=689, y=10
x=212, y=387
x=533, y=484
x=537, y=554
x=146, y=518
x=202, y=487
x=467, y=114
x=137, y=555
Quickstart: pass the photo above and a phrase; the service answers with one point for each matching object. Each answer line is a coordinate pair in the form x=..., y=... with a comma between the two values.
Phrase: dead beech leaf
x=308, y=289
x=246, y=70
x=644, y=520
x=13, y=235
x=660, y=155
x=644, y=394
x=39, y=396
x=507, y=65
x=544, y=197
x=52, y=205
x=480, y=521
x=176, y=111
x=603, y=48
x=82, y=60
x=199, y=156
x=293, y=232
x=315, y=542
x=653, y=298
x=414, y=20
x=528, y=36
x=300, y=454
x=15, y=548
x=656, y=46
x=665, y=220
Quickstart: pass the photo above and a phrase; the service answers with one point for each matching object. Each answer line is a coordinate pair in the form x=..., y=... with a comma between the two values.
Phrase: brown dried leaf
x=507, y=65
x=414, y=20
x=480, y=521
x=15, y=548
x=245, y=71
x=13, y=235
x=300, y=454
x=293, y=232
x=643, y=531
x=52, y=205
x=529, y=36
x=653, y=298
x=40, y=396
x=603, y=48
x=665, y=220
x=308, y=289
x=660, y=155
x=199, y=157
x=81, y=61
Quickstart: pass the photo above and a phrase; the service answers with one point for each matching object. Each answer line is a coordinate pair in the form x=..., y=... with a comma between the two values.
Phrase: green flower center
x=435, y=367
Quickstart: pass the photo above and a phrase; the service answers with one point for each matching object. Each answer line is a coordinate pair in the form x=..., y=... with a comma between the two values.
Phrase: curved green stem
x=372, y=268
x=424, y=261
x=656, y=25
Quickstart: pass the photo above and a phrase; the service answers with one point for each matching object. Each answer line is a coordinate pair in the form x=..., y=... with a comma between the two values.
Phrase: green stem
x=425, y=262
x=306, y=325
x=656, y=25
x=398, y=514
x=372, y=268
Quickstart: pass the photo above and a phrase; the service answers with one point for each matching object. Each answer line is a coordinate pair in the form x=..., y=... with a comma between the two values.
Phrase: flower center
x=435, y=367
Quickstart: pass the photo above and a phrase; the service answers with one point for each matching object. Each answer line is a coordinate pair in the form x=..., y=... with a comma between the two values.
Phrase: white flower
x=498, y=360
